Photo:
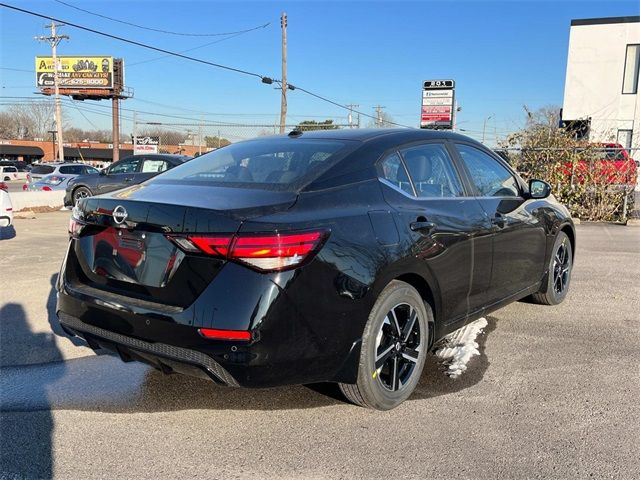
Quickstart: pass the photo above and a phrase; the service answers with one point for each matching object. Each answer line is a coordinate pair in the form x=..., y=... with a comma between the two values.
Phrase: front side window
x=631, y=69
x=490, y=177
x=432, y=171
x=394, y=172
x=125, y=166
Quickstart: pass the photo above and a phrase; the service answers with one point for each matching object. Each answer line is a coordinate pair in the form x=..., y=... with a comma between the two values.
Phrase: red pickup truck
x=613, y=166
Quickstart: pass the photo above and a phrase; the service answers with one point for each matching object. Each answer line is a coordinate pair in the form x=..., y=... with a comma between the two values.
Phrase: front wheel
x=80, y=193
x=394, y=346
x=555, y=289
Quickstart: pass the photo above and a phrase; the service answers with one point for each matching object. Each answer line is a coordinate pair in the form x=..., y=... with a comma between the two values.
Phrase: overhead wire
x=264, y=79
x=168, y=32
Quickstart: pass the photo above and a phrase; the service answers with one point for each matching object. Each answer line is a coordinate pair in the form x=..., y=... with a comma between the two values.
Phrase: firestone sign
x=437, y=104
x=144, y=145
x=75, y=72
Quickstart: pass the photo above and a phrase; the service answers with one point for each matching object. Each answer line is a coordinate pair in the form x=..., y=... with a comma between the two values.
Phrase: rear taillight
x=46, y=188
x=274, y=252
x=4, y=186
x=75, y=227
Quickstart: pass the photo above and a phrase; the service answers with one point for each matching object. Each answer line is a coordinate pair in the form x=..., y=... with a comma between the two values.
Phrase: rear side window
x=278, y=163
x=432, y=171
x=393, y=171
x=43, y=169
x=154, y=166
x=490, y=177
x=72, y=169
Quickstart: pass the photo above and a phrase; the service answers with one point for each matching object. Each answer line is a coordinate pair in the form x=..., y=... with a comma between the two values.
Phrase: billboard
x=144, y=145
x=76, y=72
x=438, y=104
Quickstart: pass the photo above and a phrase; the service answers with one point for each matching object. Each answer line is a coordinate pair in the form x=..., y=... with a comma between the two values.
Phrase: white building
x=601, y=98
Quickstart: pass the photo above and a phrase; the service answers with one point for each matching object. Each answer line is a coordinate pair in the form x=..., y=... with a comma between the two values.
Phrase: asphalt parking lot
x=554, y=393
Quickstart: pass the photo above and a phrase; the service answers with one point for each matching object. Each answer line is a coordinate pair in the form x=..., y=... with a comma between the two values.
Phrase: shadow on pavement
x=51, y=313
x=106, y=384
x=7, y=233
x=26, y=437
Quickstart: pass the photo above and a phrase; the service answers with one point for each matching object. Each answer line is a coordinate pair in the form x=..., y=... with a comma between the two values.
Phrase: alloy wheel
x=81, y=193
x=561, y=268
x=398, y=347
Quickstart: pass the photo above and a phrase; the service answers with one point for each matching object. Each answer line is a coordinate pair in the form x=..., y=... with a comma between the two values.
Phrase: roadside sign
x=144, y=145
x=438, y=104
x=75, y=72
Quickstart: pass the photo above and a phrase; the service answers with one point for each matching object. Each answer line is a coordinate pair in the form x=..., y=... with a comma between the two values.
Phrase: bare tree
x=385, y=121
x=33, y=120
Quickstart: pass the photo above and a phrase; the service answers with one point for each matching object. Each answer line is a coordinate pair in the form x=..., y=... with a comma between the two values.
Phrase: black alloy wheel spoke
x=398, y=347
x=408, y=327
x=382, y=358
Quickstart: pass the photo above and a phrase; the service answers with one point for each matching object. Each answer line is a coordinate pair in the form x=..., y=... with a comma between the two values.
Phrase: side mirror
x=103, y=171
x=539, y=189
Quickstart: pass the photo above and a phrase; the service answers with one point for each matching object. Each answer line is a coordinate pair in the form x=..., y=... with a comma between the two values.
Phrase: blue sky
x=502, y=55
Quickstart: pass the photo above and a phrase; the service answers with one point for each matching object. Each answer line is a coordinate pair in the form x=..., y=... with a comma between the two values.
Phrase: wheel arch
x=571, y=233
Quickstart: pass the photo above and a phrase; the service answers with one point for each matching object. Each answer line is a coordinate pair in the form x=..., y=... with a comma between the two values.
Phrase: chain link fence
x=598, y=183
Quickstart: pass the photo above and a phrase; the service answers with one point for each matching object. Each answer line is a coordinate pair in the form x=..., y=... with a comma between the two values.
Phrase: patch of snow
x=456, y=349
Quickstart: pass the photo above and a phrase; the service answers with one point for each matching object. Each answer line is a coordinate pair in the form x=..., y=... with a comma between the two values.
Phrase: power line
x=169, y=32
x=140, y=44
x=264, y=79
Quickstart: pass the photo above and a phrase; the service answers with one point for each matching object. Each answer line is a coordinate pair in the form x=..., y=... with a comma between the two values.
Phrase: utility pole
x=283, y=86
x=200, y=137
x=115, y=127
x=54, y=40
x=379, y=120
x=350, y=117
x=135, y=133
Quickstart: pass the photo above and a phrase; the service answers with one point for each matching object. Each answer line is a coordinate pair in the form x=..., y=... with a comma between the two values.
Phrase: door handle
x=424, y=228
x=128, y=179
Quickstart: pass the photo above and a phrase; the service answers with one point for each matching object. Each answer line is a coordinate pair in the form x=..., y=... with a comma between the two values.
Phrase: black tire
x=7, y=179
x=555, y=289
x=81, y=192
x=400, y=344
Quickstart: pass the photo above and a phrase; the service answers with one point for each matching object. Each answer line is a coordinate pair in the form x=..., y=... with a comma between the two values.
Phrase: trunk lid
x=123, y=246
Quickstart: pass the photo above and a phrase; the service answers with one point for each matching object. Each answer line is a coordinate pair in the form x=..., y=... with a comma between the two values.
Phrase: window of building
x=631, y=70
x=624, y=138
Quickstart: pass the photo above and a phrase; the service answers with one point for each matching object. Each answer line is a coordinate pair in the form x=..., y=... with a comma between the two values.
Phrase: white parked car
x=6, y=208
x=8, y=173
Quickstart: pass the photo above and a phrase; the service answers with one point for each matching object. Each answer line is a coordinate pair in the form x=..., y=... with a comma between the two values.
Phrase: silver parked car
x=59, y=181
x=38, y=172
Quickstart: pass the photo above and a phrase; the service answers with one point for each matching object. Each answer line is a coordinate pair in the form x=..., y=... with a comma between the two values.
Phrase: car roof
x=366, y=134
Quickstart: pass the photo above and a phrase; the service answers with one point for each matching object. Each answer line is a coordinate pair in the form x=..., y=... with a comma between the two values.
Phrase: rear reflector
x=215, y=333
x=276, y=252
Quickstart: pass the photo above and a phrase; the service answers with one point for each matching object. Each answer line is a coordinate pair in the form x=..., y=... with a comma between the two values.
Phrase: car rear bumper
x=167, y=358
x=287, y=347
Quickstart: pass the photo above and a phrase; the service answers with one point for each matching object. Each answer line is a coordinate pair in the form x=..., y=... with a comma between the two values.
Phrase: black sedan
x=123, y=173
x=334, y=256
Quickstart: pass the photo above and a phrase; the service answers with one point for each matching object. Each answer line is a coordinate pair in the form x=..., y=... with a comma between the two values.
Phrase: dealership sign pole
x=438, y=104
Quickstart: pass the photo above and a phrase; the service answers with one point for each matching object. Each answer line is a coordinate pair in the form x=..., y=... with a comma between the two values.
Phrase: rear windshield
x=276, y=163
x=43, y=169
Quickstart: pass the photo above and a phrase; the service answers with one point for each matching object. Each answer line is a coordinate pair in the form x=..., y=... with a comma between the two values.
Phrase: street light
x=484, y=126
